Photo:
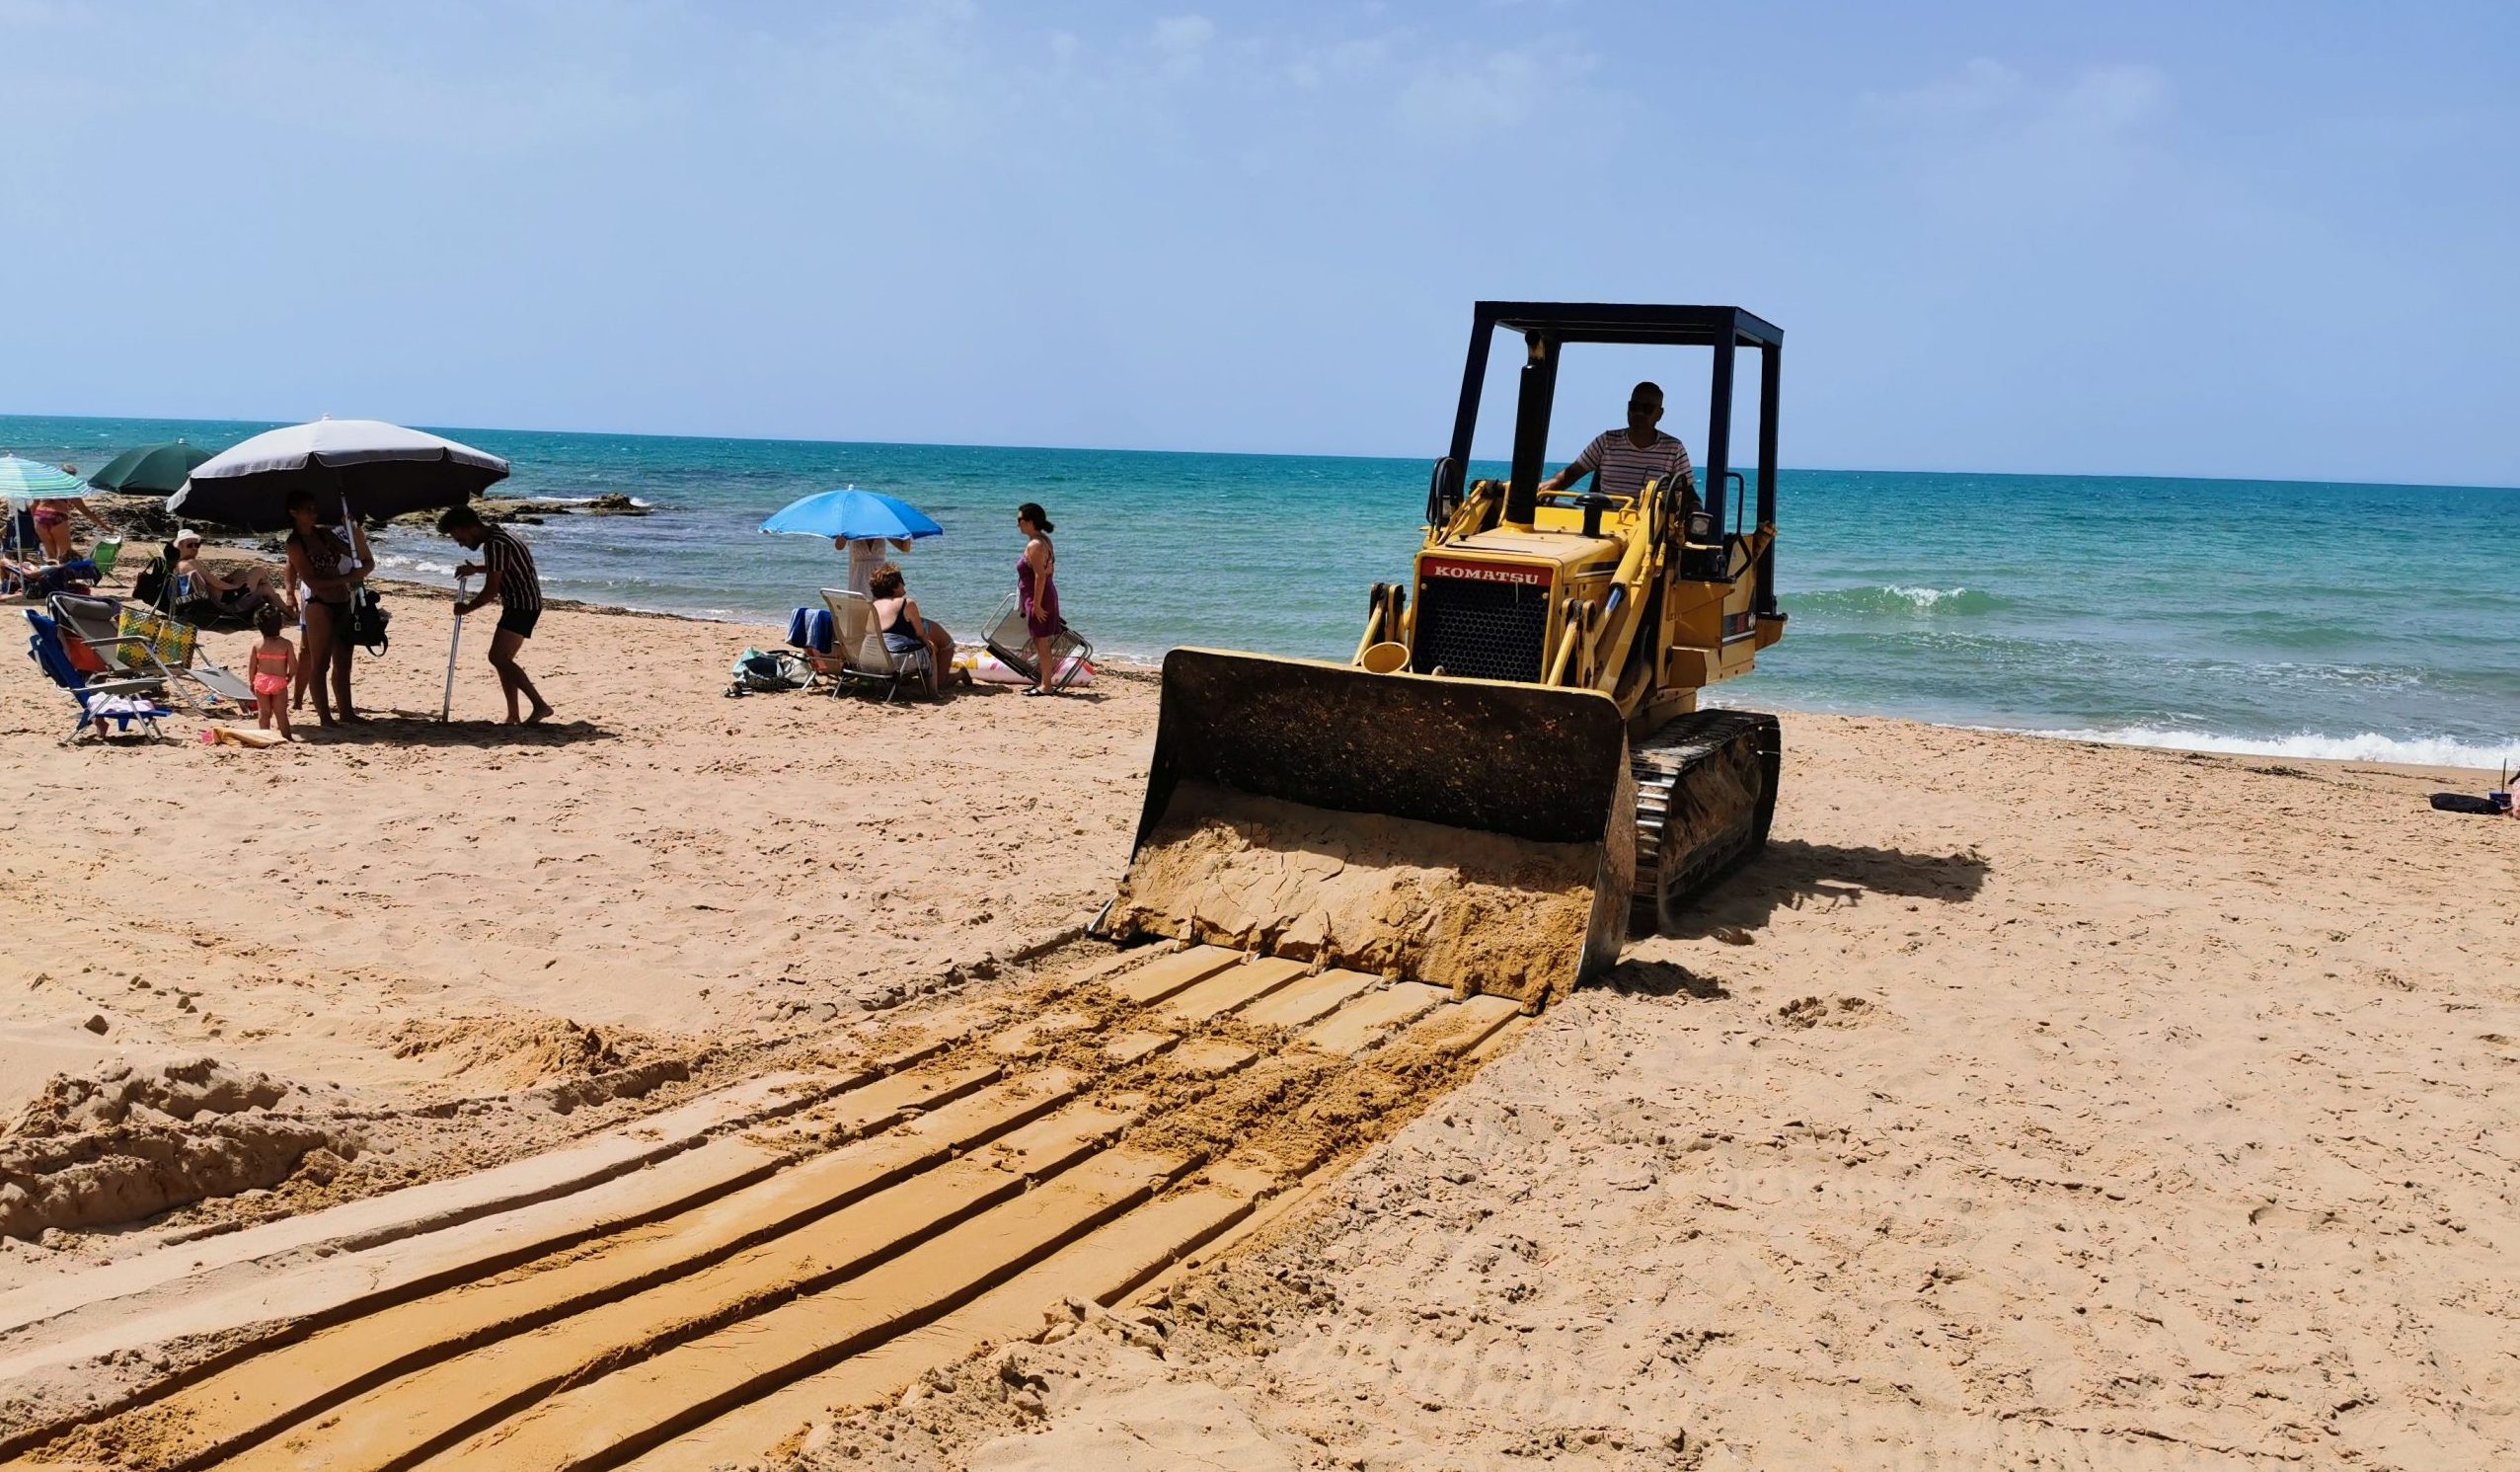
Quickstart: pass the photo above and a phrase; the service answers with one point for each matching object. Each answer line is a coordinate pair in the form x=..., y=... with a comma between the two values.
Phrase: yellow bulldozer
x=1514, y=774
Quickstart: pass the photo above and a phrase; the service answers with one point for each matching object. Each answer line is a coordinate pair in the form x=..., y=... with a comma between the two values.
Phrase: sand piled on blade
x=1478, y=912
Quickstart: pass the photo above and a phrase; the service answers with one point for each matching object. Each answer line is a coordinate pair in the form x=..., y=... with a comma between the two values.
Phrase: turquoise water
x=2316, y=620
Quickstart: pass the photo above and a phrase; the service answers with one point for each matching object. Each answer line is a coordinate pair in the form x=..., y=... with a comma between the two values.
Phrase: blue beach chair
x=120, y=701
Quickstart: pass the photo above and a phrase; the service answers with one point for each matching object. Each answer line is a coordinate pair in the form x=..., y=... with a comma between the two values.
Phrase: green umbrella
x=154, y=469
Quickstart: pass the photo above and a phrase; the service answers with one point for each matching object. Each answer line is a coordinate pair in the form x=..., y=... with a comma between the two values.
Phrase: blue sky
x=2242, y=239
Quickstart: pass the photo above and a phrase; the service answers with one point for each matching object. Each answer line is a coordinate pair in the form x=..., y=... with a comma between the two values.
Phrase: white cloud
x=1979, y=87
x=1464, y=97
x=1181, y=40
x=1988, y=96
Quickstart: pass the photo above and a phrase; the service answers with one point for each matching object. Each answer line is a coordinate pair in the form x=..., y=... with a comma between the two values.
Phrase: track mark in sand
x=1073, y=1140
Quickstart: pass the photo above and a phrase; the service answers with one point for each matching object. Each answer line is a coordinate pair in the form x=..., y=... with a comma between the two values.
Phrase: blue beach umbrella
x=34, y=478
x=855, y=514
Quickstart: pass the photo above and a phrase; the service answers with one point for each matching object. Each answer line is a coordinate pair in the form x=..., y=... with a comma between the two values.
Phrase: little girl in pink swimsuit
x=274, y=661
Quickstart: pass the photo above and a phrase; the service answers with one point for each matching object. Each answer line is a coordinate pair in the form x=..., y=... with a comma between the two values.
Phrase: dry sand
x=2101, y=1107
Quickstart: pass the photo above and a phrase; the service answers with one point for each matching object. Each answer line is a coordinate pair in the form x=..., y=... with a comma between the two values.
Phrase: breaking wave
x=2423, y=751
x=1896, y=600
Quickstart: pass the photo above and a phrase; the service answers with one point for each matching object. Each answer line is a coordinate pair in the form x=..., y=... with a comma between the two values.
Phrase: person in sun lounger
x=897, y=617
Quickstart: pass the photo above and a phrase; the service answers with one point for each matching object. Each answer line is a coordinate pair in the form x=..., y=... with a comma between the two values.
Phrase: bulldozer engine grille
x=1487, y=630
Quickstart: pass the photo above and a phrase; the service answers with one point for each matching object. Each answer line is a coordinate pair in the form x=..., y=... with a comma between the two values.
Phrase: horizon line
x=1284, y=454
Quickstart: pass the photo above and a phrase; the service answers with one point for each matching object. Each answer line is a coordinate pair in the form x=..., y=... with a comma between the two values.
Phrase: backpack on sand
x=757, y=674
x=368, y=619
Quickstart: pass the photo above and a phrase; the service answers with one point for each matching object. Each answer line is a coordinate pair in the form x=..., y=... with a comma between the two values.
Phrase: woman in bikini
x=52, y=517
x=330, y=572
x=1037, y=592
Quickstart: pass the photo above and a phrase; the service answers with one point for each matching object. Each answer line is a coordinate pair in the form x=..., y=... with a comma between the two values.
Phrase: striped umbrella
x=33, y=478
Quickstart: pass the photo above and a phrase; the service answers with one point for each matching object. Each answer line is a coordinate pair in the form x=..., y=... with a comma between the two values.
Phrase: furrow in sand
x=491, y=1372
x=398, y=1423
x=1104, y=1268
x=1234, y=988
x=608, y=1420
x=414, y=1210
x=1310, y=999
x=1365, y=1022
x=225, y=1412
x=1166, y=975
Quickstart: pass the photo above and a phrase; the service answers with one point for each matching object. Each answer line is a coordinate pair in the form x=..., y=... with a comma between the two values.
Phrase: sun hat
x=187, y=534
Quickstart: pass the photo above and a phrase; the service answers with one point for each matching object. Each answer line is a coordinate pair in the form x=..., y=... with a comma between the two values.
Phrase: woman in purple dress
x=1038, y=593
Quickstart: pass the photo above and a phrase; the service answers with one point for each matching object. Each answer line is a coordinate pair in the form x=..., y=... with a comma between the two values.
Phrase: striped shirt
x=1624, y=469
x=510, y=569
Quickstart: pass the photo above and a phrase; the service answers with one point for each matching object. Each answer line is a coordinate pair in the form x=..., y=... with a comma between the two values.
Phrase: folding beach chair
x=859, y=658
x=1011, y=639
x=122, y=702
x=108, y=636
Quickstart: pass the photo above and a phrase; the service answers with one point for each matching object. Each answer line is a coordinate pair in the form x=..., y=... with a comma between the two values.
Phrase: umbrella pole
x=448, y=702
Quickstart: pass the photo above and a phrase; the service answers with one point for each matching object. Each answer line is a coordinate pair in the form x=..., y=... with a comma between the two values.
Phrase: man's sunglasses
x=1639, y=406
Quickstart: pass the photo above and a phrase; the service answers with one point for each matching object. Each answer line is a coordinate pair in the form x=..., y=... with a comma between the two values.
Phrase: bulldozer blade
x=1471, y=833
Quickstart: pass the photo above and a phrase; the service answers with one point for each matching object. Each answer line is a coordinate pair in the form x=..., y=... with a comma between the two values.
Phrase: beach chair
x=858, y=657
x=105, y=552
x=111, y=638
x=1011, y=639
x=122, y=702
x=192, y=604
x=41, y=581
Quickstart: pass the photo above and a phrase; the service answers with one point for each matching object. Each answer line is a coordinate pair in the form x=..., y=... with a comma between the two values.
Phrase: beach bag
x=757, y=674
x=170, y=640
x=2460, y=801
x=150, y=586
x=368, y=619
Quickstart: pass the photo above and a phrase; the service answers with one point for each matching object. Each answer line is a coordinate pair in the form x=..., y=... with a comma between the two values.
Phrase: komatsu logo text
x=1484, y=572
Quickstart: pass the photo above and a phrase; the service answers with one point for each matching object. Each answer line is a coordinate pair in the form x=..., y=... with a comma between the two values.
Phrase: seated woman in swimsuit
x=897, y=616
x=240, y=597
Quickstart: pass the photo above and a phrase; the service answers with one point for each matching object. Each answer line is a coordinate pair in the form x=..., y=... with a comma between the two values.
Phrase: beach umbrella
x=21, y=479
x=859, y=516
x=151, y=470
x=378, y=471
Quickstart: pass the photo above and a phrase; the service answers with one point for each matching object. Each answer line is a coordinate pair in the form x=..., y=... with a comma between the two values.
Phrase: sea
x=2273, y=618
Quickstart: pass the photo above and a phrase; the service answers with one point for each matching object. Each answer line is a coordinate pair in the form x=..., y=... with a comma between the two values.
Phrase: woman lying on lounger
x=897, y=617
x=238, y=597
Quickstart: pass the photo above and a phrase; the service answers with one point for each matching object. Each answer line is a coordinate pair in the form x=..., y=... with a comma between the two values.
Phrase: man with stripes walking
x=509, y=578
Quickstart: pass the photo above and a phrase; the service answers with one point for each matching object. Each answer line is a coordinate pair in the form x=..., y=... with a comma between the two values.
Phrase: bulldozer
x=1514, y=773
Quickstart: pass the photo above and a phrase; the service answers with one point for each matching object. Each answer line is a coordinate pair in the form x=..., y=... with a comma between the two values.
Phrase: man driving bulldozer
x=1627, y=459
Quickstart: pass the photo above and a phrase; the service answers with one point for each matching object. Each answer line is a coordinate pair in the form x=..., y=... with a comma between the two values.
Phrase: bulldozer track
x=1074, y=1140
x=1683, y=839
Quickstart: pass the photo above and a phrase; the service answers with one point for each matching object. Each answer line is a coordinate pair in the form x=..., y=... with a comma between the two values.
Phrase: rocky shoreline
x=146, y=518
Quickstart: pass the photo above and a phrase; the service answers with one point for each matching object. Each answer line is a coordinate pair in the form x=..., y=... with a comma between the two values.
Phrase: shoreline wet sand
x=2094, y=1101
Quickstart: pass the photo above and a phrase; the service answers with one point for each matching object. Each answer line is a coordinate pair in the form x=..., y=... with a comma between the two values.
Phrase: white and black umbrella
x=375, y=470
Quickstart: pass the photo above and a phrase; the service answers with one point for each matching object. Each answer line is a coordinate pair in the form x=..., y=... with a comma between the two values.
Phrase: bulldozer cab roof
x=1547, y=326
x=1616, y=322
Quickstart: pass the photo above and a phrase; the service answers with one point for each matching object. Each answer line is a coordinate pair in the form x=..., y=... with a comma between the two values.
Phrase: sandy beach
x=2029, y=1103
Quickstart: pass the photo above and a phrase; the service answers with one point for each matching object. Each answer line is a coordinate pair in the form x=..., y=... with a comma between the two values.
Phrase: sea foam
x=2426, y=751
